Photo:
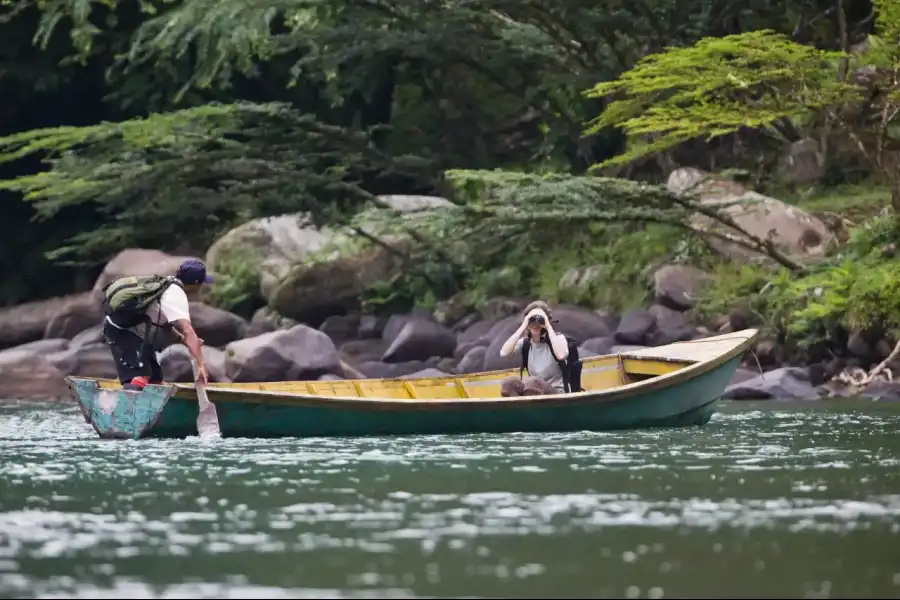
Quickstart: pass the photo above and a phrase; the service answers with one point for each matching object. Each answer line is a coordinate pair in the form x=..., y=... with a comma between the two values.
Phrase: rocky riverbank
x=45, y=341
x=311, y=279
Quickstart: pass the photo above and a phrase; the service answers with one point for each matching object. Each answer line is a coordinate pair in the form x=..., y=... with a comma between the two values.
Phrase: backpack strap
x=526, y=348
x=563, y=366
x=169, y=281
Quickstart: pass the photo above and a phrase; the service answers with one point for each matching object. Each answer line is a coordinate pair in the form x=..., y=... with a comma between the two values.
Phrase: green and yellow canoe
x=669, y=386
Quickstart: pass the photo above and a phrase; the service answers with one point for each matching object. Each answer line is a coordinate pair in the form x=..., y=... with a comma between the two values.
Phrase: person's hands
x=533, y=312
x=202, y=375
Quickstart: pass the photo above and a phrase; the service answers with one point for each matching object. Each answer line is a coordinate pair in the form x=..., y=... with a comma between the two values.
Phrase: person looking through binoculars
x=544, y=354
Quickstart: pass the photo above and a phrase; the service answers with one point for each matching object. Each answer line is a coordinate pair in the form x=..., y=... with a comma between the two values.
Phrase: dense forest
x=164, y=124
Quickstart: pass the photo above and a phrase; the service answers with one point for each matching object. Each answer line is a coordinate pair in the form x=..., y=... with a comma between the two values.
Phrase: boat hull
x=170, y=411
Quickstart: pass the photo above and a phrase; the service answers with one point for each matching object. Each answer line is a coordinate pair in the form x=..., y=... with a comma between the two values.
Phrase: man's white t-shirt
x=173, y=305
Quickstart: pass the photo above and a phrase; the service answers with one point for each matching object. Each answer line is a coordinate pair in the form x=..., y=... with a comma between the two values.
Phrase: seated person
x=548, y=348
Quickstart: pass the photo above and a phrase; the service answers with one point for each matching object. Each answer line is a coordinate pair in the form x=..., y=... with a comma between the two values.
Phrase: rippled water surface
x=767, y=500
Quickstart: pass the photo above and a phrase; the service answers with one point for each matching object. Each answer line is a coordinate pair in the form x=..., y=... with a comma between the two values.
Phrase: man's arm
x=175, y=306
x=185, y=330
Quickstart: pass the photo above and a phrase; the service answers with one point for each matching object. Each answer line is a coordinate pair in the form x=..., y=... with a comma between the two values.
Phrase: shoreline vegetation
x=381, y=186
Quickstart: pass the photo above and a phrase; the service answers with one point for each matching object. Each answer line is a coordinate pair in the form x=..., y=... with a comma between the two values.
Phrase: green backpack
x=126, y=299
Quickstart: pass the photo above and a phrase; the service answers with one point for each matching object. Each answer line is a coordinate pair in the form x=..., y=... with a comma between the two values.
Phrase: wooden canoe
x=669, y=386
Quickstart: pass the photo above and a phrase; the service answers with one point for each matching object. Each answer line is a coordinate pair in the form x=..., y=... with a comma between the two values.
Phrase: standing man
x=138, y=307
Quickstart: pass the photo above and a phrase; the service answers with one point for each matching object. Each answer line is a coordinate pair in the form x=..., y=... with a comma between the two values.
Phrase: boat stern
x=117, y=413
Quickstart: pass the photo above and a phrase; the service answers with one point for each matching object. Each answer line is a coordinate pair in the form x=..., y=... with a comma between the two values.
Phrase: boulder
x=370, y=327
x=381, y=370
x=635, y=327
x=274, y=243
x=447, y=364
x=300, y=352
x=265, y=320
x=677, y=286
x=341, y=328
x=317, y=289
x=27, y=376
x=786, y=383
x=475, y=332
x=215, y=364
x=364, y=350
x=626, y=348
x=802, y=163
x=451, y=311
x=883, y=391
x=741, y=375
x=91, y=335
x=580, y=323
x=429, y=372
x=80, y=312
x=598, y=346
x=60, y=317
x=497, y=309
x=308, y=272
x=176, y=364
x=794, y=231
x=91, y=359
x=495, y=338
x=41, y=347
x=473, y=361
x=671, y=327
x=215, y=326
x=418, y=340
x=139, y=261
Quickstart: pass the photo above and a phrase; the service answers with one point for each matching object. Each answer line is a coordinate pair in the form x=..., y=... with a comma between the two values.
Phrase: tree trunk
x=895, y=197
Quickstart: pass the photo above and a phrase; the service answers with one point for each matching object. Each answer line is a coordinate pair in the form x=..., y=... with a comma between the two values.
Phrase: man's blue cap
x=193, y=271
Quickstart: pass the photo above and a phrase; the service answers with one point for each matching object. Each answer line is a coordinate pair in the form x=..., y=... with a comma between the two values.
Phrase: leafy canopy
x=199, y=170
x=716, y=87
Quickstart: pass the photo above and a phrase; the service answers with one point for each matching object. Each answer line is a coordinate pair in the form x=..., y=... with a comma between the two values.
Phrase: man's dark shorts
x=132, y=355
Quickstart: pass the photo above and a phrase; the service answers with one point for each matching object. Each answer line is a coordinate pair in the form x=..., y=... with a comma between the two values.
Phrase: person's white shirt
x=174, y=304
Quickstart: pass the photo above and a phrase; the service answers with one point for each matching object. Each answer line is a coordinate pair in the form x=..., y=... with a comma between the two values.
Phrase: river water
x=767, y=500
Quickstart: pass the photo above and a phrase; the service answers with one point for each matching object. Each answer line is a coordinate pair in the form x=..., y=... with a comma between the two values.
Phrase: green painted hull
x=158, y=413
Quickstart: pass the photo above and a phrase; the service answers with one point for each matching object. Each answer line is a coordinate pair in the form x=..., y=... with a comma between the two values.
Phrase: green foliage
x=883, y=50
x=237, y=283
x=853, y=294
x=716, y=87
x=855, y=290
x=765, y=81
x=615, y=264
x=319, y=104
x=518, y=234
x=405, y=290
x=196, y=171
x=873, y=239
x=856, y=202
x=737, y=287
